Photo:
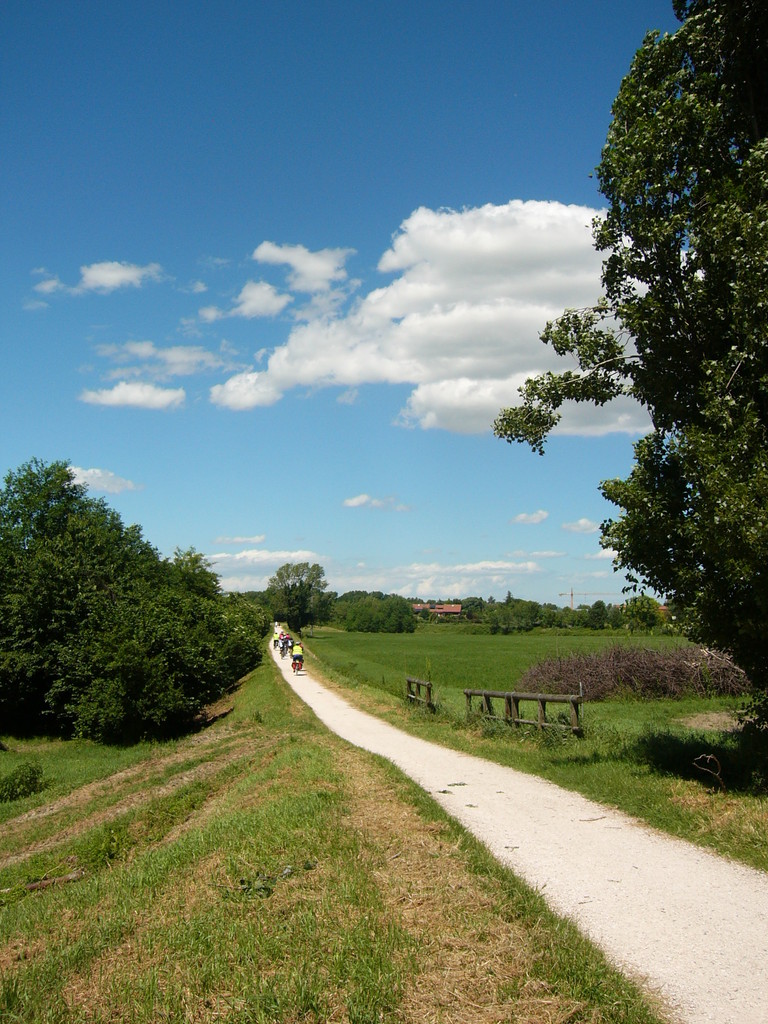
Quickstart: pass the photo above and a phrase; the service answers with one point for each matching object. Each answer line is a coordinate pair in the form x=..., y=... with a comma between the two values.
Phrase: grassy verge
x=265, y=871
x=639, y=756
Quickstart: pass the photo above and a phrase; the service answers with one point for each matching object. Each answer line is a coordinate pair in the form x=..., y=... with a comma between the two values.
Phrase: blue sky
x=270, y=270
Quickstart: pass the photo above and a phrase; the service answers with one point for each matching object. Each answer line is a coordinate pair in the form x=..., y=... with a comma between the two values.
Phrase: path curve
x=690, y=925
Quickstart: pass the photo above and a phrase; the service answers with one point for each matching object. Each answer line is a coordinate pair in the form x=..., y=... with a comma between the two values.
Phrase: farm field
x=637, y=755
x=262, y=870
x=453, y=659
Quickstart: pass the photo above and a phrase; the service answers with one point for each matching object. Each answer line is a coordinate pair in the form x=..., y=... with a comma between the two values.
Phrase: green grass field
x=638, y=755
x=453, y=659
x=262, y=871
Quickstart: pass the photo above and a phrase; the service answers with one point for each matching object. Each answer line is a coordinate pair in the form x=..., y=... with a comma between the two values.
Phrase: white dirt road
x=691, y=926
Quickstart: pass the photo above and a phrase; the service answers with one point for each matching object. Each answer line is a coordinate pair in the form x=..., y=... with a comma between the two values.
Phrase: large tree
x=297, y=594
x=99, y=635
x=682, y=325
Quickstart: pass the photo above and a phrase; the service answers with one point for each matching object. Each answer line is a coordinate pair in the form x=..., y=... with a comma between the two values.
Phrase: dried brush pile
x=639, y=672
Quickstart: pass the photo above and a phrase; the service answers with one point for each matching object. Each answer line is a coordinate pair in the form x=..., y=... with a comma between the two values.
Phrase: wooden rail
x=417, y=691
x=512, y=701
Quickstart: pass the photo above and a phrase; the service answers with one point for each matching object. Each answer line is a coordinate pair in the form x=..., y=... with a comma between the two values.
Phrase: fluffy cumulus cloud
x=531, y=518
x=246, y=390
x=251, y=568
x=256, y=539
x=256, y=299
x=107, y=276
x=606, y=555
x=137, y=395
x=104, y=480
x=262, y=557
x=582, y=526
x=458, y=320
x=49, y=286
x=366, y=501
x=461, y=300
x=147, y=360
x=433, y=579
x=309, y=271
x=363, y=501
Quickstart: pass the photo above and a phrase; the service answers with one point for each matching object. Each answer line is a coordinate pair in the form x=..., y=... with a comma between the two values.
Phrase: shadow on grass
x=736, y=761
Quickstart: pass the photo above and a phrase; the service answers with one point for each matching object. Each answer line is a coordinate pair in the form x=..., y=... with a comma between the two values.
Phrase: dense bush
x=25, y=779
x=640, y=672
x=99, y=635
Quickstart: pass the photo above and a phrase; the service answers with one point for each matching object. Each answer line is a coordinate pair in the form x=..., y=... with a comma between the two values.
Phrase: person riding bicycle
x=298, y=656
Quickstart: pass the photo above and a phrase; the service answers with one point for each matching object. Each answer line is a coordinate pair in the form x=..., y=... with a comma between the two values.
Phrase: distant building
x=442, y=611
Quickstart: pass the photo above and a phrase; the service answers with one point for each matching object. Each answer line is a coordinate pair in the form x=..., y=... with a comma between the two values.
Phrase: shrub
x=25, y=779
x=639, y=672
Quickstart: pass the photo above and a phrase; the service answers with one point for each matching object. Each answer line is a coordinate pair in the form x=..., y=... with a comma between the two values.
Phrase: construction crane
x=586, y=593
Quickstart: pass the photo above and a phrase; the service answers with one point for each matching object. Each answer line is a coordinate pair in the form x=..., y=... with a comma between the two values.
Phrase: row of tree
x=297, y=595
x=99, y=635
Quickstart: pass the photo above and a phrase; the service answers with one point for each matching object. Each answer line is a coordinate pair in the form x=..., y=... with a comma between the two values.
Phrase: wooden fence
x=419, y=692
x=512, y=700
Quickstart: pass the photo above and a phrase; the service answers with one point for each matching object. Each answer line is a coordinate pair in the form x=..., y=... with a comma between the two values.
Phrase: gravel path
x=692, y=926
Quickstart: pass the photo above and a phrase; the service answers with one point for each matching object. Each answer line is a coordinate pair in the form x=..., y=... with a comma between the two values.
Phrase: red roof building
x=441, y=610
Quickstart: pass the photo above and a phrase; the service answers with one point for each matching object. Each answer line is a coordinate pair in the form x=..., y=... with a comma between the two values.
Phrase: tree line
x=100, y=636
x=297, y=594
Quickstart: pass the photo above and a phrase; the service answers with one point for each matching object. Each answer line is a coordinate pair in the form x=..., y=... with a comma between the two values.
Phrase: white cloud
x=310, y=271
x=261, y=556
x=241, y=540
x=531, y=517
x=459, y=321
x=251, y=568
x=145, y=359
x=104, y=480
x=435, y=579
x=245, y=391
x=581, y=526
x=109, y=276
x=141, y=396
x=366, y=501
x=103, y=277
x=50, y=285
x=360, y=501
x=607, y=554
x=256, y=299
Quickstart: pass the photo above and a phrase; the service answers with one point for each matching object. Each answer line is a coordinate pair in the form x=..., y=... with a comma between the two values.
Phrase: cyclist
x=297, y=660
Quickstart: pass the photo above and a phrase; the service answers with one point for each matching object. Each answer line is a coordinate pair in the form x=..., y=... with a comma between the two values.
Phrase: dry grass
x=474, y=964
